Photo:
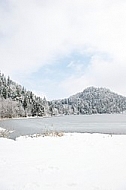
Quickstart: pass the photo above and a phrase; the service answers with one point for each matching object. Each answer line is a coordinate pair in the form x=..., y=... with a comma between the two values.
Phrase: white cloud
x=77, y=66
x=34, y=33
x=100, y=73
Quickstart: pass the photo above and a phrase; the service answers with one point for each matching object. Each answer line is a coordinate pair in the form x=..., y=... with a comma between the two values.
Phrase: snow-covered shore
x=73, y=161
x=1, y=129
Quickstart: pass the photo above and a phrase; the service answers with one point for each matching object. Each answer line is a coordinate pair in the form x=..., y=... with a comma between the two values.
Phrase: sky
x=59, y=48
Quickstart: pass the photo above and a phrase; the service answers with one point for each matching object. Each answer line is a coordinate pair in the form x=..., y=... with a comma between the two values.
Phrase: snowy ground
x=1, y=129
x=72, y=162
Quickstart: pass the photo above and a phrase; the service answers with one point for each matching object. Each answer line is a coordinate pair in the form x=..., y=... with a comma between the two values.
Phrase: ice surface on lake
x=112, y=123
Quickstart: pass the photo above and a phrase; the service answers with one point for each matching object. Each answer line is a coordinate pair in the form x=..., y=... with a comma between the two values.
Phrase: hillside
x=92, y=101
x=16, y=101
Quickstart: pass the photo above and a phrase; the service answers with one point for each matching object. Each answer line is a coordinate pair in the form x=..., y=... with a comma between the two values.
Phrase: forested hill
x=16, y=101
x=92, y=101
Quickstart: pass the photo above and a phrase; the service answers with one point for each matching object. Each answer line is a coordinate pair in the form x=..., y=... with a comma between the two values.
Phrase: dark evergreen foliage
x=16, y=101
x=92, y=101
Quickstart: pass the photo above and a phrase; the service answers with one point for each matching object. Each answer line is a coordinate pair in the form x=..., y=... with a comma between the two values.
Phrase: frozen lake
x=107, y=123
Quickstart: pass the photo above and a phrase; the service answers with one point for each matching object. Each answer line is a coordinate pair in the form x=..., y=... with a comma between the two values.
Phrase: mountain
x=16, y=101
x=92, y=101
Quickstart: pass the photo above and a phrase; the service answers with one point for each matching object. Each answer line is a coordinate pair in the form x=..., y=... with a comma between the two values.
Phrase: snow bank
x=1, y=129
x=72, y=162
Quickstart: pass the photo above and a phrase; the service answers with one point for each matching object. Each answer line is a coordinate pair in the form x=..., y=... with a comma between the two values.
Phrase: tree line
x=92, y=101
x=16, y=101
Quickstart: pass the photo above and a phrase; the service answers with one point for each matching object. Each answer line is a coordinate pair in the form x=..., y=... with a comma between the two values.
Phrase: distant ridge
x=16, y=101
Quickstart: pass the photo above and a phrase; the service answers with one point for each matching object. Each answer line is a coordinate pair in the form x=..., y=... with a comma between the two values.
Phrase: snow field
x=72, y=162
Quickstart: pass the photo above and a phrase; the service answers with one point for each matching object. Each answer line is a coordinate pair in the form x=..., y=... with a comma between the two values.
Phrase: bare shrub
x=53, y=133
x=4, y=133
x=48, y=133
